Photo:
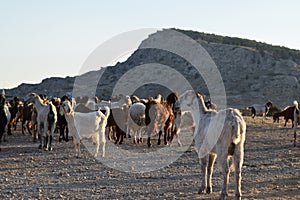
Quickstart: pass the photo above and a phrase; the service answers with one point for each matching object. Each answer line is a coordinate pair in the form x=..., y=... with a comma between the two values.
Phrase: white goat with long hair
x=46, y=120
x=218, y=134
x=86, y=125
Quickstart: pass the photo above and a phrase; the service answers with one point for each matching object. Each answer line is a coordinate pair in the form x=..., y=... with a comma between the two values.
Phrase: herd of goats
x=85, y=117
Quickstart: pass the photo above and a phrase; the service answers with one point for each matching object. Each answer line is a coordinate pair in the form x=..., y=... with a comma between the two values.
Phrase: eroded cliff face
x=249, y=75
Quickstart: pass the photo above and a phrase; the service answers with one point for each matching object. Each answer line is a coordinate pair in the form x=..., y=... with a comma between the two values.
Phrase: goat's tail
x=236, y=132
x=107, y=111
x=296, y=104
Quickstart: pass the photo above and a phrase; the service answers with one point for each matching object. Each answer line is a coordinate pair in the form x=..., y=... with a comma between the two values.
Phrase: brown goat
x=159, y=116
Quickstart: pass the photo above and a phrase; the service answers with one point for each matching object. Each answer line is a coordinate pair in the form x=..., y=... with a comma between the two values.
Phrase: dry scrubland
x=271, y=171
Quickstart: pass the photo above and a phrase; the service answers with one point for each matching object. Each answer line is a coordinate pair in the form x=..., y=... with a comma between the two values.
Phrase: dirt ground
x=271, y=170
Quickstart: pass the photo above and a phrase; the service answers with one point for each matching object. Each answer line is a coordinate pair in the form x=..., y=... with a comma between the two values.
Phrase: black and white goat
x=46, y=121
x=257, y=109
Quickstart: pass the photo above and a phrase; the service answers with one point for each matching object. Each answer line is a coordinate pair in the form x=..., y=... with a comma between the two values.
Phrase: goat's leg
x=238, y=158
x=166, y=135
x=140, y=140
x=285, y=122
x=76, y=146
x=97, y=145
x=225, y=172
x=159, y=137
x=50, y=139
x=23, y=127
x=35, y=133
x=203, y=165
x=212, y=158
x=149, y=134
x=174, y=132
x=28, y=125
x=61, y=132
x=46, y=142
x=9, y=129
x=67, y=133
x=49, y=143
x=40, y=136
x=103, y=141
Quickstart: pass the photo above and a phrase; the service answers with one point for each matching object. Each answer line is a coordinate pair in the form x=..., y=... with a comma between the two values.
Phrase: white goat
x=224, y=144
x=46, y=120
x=86, y=125
x=136, y=121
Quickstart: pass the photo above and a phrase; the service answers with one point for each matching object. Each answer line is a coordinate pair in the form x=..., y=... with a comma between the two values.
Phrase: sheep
x=136, y=120
x=86, y=125
x=46, y=120
x=287, y=113
x=260, y=109
x=226, y=132
x=159, y=116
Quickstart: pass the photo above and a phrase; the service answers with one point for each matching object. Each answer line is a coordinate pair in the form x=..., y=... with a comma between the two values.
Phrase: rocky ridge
x=250, y=75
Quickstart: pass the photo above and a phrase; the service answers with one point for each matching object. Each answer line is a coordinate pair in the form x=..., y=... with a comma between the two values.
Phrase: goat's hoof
x=201, y=190
x=140, y=140
x=50, y=148
x=208, y=190
x=149, y=145
x=223, y=196
x=134, y=141
x=40, y=146
x=238, y=196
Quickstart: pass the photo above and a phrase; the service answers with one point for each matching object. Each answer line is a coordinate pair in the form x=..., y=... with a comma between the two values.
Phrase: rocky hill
x=252, y=72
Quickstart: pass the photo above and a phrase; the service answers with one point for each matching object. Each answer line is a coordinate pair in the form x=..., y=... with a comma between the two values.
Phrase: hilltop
x=252, y=72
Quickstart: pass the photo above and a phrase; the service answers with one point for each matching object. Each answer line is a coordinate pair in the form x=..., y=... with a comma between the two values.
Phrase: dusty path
x=271, y=171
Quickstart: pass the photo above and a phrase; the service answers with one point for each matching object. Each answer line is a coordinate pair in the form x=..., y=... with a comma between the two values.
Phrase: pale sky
x=46, y=38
